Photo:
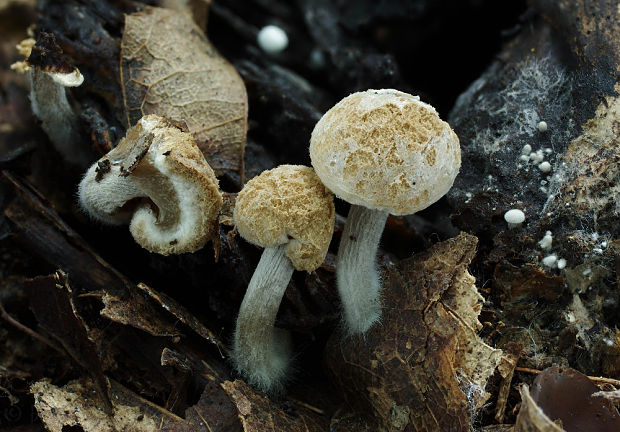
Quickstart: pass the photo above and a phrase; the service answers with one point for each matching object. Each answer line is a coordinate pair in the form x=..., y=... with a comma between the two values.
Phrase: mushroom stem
x=356, y=270
x=49, y=103
x=260, y=354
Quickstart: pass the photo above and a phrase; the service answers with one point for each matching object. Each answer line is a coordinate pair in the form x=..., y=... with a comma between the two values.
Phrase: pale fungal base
x=259, y=354
x=358, y=281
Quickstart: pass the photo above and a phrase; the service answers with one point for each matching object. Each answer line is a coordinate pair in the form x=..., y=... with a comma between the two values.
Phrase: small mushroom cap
x=385, y=150
x=288, y=204
x=514, y=216
x=159, y=162
x=71, y=79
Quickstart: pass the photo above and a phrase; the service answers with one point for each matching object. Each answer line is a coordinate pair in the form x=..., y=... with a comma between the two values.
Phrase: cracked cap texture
x=385, y=150
x=288, y=204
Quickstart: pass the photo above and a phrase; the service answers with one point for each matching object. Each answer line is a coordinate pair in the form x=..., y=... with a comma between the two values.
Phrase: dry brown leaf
x=169, y=68
x=135, y=310
x=227, y=407
x=257, y=413
x=423, y=368
x=75, y=405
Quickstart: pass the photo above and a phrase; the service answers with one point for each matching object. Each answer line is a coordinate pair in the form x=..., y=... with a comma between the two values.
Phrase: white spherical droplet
x=542, y=126
x=545, y=166
x=272, y=39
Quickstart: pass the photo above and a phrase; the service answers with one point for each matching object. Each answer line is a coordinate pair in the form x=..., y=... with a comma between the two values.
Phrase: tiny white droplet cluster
x=550, y=260
x=545, y=167
x=546, y=241
x=535, y=157
x=272, y=39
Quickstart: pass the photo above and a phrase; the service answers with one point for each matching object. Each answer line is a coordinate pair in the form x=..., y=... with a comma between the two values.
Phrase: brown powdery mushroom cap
x=288, y=205
x=385, y=150
x=159, y=162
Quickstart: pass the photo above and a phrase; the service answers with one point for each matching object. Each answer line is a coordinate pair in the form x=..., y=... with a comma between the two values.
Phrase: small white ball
x=514, y=216
x=547, y=241
x=550, y=260
x=561, y=263
x=272, y=39
x=545, y=166
x=527, y=149
x=542, y=126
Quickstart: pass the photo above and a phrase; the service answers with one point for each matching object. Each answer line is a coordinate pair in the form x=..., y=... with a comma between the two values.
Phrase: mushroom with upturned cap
x=383, y=151
x=161, y=167
x=289, y=212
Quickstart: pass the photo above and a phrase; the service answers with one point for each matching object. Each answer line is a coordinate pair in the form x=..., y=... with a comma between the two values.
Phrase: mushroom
x=48, y=75
x=514, y=218
x=289, y=212
x=383, y=151
x=158, y=180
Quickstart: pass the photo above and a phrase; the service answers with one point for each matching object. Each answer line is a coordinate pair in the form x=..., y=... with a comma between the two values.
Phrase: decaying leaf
x=223, y=407
x=76, y=404
x=169, y=68
x=562, y=399
x=257, y=413
x=138, y=312
x=52, y=303
x=423, y=368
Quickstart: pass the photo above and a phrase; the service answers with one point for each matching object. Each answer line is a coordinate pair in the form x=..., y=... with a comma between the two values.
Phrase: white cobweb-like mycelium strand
x=261, y=352
x=359, y=283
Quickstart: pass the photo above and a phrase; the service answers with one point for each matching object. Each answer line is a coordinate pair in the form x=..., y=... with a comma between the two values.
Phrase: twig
x=308, y=406
x=28, y=331
x=600, y=380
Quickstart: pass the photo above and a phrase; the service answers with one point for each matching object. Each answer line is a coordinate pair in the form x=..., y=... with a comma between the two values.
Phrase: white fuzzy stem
x=260, y=354
x=49, y=103
x=356, y=270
